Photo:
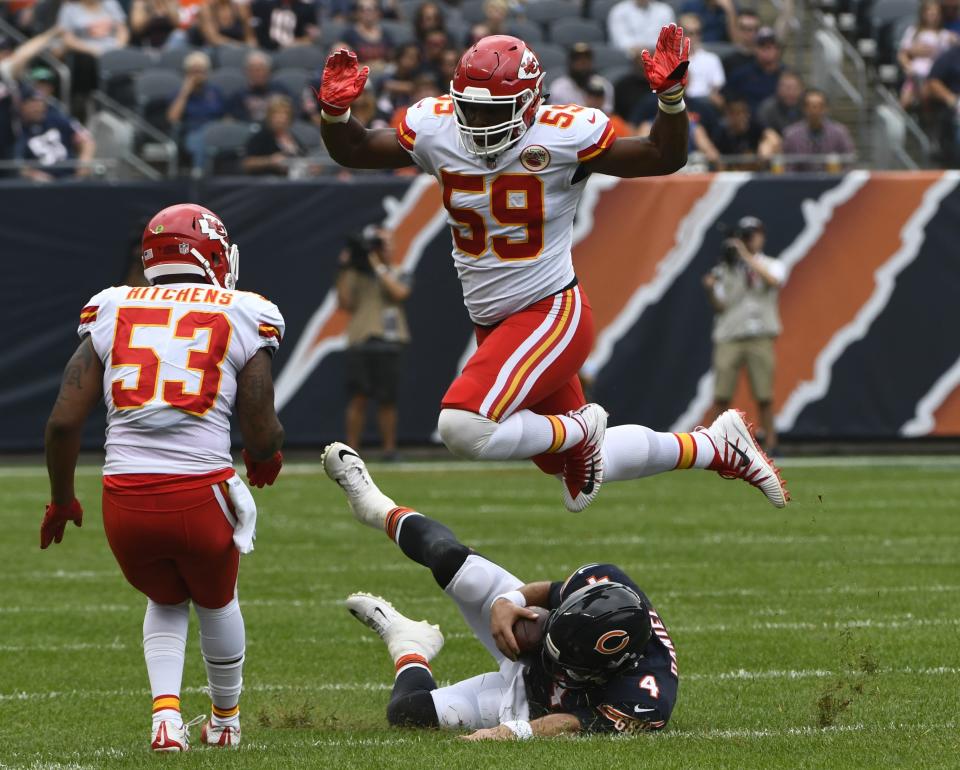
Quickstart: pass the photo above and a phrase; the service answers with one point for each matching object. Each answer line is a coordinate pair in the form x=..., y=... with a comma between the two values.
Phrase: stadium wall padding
x=871, y=308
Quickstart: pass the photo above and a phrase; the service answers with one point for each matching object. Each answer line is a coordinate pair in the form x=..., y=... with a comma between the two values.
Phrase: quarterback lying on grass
x=602, y=662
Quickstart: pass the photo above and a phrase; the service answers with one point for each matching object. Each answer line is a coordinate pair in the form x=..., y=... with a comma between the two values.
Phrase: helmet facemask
x=490, y=141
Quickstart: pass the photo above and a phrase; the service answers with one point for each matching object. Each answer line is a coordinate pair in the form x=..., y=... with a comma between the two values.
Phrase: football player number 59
x=515, y=199
x=174, y=392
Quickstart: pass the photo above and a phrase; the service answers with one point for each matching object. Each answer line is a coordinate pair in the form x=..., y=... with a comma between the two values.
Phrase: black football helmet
x=597, y=632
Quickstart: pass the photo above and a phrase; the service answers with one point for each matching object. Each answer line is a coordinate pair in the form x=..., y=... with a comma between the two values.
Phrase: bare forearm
x=671, y=135
x=344, y=141
x=555, y=724
x=536, y=594
x=62, y=448
x=398, y=291
x=259, y=425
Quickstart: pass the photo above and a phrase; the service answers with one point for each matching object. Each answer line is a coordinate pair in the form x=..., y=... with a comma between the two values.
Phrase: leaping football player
x=172, y=360
x=605, y=663
x=511, y=172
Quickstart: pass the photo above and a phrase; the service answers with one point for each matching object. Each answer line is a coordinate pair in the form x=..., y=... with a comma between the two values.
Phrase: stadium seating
x=119, y=68
x=231, y=55
x=400, y=31
x=291, y=80
x=526, y=30
x=546, y=12
x=172, y=59
x=600, y=9
x=567, y=31
x=307, y=57
x=225, y=142
x=154, y=90
x=230, y=80
x=472, y=11
x=308, y=135
x=552, y=57
x=606, y=56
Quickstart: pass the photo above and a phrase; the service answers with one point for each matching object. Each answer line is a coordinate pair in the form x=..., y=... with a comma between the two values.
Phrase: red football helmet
x=188, y=238
x=498, y=69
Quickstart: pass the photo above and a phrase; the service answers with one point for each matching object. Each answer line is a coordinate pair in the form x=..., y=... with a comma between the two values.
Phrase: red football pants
x=173, y=546
x=529, y=361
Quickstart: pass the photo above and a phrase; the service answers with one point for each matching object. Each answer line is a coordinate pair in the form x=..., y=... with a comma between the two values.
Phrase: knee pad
x=413, y=709
x=465, y=433
x=445, y=558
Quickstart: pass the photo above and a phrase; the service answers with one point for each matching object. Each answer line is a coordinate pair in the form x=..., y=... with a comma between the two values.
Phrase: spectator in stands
x=155, y=23
x=943, y=89
x=90, y=28
x=424, y=87
x=817, y=134
x=706, y=77
x=434, y=50
x=632, y=98
x=13, y=60
x=372, y=43
x=270, y=149
x=748, y=25
x=718, y=18
x=571, y=88
x=757, y=80
x=635, y=24
x=283, y=23
x=225, y=22
x=477, y=32
x=447, y=66
x=495, y=13
x=950, y=12
x=48, y=138
x=785, y=106
x=922, y=43
x=196, y=104
x=395, y=87
x=250, y=104
x=364, y=109
x=427, y=18
x=738, y=134
x=43, y=80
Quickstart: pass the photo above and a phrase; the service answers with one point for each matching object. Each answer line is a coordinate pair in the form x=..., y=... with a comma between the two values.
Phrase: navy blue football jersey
x=639, y=699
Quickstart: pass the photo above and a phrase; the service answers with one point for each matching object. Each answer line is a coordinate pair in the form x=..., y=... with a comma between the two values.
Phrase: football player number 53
x=515, y=200
x=205, y=361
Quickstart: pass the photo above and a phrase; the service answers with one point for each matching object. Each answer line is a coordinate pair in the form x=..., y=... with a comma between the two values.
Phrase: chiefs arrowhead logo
x=529, y=66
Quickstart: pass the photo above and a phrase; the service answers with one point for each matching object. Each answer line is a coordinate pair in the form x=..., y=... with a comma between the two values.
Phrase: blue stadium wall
x=871, y=308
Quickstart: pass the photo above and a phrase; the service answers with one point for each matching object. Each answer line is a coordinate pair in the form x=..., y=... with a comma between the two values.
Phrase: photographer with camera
x=373, y=291
x=743, y=289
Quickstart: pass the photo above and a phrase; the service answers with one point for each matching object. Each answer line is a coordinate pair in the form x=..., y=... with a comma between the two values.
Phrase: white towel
x=245, y=530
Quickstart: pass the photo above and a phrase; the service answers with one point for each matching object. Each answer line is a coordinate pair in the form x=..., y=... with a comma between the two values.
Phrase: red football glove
x=667, y=68
x=55, y=521
x=342, y=82
x=262, y=473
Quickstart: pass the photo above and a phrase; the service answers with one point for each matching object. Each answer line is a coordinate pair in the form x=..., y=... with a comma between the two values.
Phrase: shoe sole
x=745, y=429
x=570, y=503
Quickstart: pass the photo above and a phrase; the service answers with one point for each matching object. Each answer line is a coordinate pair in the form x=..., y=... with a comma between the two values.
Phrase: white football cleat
x=220, y=735
x=401, y=635
x=344, y=466
x=742, y=458
x=169, y=736
x=583, y=471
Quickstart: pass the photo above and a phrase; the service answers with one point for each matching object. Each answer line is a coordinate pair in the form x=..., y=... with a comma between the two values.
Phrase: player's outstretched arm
x=665, y=151
x=347, y=140
x=545, y=727
x=80, y=390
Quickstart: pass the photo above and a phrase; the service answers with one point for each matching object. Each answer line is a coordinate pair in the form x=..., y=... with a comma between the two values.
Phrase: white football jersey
x=171, y=355
x=512, y=222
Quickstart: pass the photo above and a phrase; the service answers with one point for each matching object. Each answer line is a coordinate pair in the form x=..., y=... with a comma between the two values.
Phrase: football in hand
x=529, y=633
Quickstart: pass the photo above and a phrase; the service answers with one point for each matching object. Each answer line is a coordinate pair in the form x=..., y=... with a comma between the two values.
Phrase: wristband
x=520, y=728
x=671, y=109
x=515, y=597
x=326, y=117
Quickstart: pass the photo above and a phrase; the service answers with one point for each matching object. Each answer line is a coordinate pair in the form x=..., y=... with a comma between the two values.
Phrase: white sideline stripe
x=450, y=466
x=923, y=422
x=912, y=237
x=687, y=242
x=305, y=359
x=737, y=675
x=816, y=215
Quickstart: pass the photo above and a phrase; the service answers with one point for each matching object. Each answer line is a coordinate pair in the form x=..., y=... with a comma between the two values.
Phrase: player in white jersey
x=511, y=171
x=171, y=360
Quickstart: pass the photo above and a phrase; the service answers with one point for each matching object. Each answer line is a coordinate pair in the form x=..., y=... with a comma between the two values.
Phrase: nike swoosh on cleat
x=744, y=460
x=587, y=488
x=382, y=614
x=348, y=453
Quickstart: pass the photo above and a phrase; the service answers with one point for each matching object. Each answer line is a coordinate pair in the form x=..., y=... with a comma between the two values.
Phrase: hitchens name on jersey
x=194, y=294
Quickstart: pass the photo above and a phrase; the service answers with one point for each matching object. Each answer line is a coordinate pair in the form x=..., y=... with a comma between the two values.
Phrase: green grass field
x=822, y=636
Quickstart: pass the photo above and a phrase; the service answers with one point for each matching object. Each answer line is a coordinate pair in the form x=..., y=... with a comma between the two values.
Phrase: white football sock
x=164, y=646
x=525, y=434
x=223, y=643
x=634, y=451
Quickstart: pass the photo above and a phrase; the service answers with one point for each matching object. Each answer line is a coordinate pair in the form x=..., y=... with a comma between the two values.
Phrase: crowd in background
x=746, y=107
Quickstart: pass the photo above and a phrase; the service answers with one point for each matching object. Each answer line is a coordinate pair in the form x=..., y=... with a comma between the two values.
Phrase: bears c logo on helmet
x=612, y=642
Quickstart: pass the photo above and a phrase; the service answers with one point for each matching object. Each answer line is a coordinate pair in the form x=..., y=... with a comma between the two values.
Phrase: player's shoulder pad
x=264, y=313
x=96, y=307
x=428, y=116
